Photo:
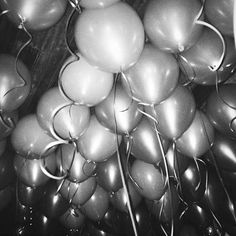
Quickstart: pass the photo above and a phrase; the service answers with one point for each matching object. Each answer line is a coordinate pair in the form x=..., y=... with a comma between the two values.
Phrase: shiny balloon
x=6, y=196
x=206, y=53
x=119, y=198
x=150, y=182
x=3, y=144
x=170, y=25
x=8, y=122
x=110, y=38
x=74, y=164
x=29, y=196
x=224, y=150
x=175, y=114
x=198, y=138
x=97, y=3
x=118, y=112
x=220, y=14
x=13, y=93
x=29, y=139
x=98, y=143
x=53, y=205
x=153, y=78
x=144, y=143
x=83, y=83
x=78, y=193
x=72, y=219
x=29, y=172
x=108, y=174
x=221, y=109
x=193, y=181
x=97, y=206
x=34, y=14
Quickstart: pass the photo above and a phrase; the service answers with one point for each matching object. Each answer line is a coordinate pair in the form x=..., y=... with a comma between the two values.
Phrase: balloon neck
x=181, y=48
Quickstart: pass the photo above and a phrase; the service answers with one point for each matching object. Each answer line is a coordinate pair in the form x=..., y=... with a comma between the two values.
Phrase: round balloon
x=15, y=84
x=150, y=182
x=97, y=3
x=83, y=83
x=35, y=15
x=220, y=14
x=29, y=139
x=171, y=25
x=118, y=112
x=153, y=78
x=110, y=38
x=29, y=171
x=98, y=143
x=175, y=114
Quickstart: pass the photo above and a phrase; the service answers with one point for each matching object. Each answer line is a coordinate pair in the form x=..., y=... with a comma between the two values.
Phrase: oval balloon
x=97, y=3
x=98, y=143
x=144, y=143
x=118, y=112
x=71, y=161
x=221, y=109
x=150, y=182
x=170, y=25
x=206, y=53
x=220, y=14
x=34, y=14
x=175, y=114
x=153, y=78
x=198, y=138
x=83, y=83
x=110, y=38
x=97, y=206
x=78, y=193
x=14, y=90
x=30, y=140
x=29, y=171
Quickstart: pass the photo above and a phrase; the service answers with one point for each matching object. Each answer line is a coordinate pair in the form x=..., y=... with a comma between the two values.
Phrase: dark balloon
x=188, y=230
x=3, y=144
x=97, y=206
x=36, y=15
x=6, y=196
x=14, y=90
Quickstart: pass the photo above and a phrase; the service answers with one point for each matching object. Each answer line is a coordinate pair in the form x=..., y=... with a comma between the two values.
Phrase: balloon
x=175, y=114
x=110, y=38
x=8, y=122
x=207, y=52
x=144, y=143
x=13, y=90
x=97, y=206
x=108, y=174
x=153, y=78
x=198, y=138
x=98, y=143
x=188, y=230
x=72, y=218
x=29, y=171
x=53, y=205
x=83, y=83
x=74, y=164
x=3, y=144
x=119, y=198
x=34, y=14
x=28, y=196
x=170, y=25
x=30, y=140
x=118, y=112
x=220, y=14
x=162, y=208
x=78, y=193
x=6, y=196
x=97, y=3
x=94, y=231
x=193, y=181
x=150, y=182
x=221, y=109
x=224, y=150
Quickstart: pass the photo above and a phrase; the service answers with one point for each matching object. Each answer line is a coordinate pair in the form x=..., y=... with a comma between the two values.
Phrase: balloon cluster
x=121, y=146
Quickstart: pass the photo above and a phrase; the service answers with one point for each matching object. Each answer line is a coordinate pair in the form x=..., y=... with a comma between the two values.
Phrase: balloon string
x=199, y=174
x=231, y=205
x=121, y=168
x=167, y=173
x=200, y=11
x=218, y=65
x=75, y=5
